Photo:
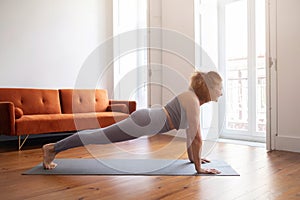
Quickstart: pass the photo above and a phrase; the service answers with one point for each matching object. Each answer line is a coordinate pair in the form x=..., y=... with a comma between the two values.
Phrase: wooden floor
x=273, y=175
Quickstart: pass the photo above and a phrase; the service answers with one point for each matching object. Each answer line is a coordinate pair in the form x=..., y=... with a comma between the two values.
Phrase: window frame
x=141, y=55
x=250, y=134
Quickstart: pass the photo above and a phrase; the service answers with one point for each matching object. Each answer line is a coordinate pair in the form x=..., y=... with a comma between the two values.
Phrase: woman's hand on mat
x=204, y=160
x=208, y=171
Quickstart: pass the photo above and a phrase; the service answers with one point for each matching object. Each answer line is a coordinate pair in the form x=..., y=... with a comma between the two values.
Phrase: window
x=243, y=36
x=130, y=64
x=232, y=33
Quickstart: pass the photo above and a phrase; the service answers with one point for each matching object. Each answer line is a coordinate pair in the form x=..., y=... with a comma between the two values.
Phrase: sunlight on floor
x=240, y=142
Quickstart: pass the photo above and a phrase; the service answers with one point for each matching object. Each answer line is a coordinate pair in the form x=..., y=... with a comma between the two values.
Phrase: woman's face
x=216, y=92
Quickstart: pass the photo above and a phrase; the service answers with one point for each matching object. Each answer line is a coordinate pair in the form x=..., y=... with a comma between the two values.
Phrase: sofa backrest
x=32, y=101
x=83, y=100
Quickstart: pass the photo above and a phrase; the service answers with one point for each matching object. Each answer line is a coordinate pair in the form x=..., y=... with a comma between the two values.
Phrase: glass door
x=243, y=33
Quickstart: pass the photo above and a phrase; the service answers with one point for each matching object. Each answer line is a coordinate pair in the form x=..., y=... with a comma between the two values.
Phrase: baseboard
x=287, y=144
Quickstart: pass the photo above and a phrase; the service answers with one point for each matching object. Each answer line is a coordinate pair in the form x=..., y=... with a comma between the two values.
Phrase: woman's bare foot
x=49, y=155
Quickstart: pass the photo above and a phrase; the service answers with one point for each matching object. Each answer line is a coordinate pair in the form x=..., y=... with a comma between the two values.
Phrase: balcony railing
x=237, y=95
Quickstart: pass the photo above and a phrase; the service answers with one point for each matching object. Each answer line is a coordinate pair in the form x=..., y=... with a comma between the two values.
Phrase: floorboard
x=263, y=175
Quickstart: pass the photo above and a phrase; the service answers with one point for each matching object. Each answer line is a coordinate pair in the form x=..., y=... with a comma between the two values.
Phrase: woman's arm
x=190, y=152
x=196, y=148
x=194, y=139
x=194, y=153
x=189, y=149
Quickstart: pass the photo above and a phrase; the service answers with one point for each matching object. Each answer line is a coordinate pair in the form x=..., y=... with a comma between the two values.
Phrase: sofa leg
x=23, y=142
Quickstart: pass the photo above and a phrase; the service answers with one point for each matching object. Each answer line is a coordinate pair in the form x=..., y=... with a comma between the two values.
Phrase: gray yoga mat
x=141, y=167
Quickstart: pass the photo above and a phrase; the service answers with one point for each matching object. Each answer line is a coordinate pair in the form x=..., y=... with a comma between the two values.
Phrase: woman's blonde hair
x=202, y=84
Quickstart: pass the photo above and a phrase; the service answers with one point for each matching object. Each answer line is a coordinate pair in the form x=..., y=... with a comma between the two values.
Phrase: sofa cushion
x=83, y=100
x=32, y=101
x=18, y=112
x=36, y=124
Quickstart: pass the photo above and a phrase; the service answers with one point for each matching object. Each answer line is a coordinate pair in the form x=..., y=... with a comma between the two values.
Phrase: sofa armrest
x=130, y=104
x=7, y=118
x=118, y=108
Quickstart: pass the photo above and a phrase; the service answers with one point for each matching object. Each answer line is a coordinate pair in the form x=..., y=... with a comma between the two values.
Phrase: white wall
x=178, y=55
x=155, y=54
x=170, y=67
x=44, y=43
x=285, y=49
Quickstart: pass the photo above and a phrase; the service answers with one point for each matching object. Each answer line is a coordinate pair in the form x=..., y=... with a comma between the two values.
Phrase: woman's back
x=179, y=106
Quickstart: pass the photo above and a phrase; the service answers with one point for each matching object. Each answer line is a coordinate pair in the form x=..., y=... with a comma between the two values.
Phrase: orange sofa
x=25, y=111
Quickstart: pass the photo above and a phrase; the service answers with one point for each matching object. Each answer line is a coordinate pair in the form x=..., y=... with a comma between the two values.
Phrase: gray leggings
x=143, y=122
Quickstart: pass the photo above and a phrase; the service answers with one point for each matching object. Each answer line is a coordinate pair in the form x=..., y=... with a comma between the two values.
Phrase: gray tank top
x=177, y=113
